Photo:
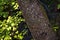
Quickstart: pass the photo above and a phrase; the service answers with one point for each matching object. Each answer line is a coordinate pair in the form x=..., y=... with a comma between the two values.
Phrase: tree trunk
x=36, y=19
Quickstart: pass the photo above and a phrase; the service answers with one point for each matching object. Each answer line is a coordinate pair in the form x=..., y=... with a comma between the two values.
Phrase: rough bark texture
x=58, y=23
x=36, y=19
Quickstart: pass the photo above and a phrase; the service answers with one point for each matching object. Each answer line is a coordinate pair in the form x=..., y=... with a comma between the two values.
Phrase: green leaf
x=58, y=6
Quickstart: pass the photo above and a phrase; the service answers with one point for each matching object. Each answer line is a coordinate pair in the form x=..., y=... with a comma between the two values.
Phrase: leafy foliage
x=10, y=18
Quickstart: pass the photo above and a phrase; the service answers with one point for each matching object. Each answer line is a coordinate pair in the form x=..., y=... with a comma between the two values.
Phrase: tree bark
x=36, y=19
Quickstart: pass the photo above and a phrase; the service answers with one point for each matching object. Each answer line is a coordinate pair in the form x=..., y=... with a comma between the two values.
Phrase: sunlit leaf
x=15, y=36
x=7, y=38
x=58, y=6
x=20, y=36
